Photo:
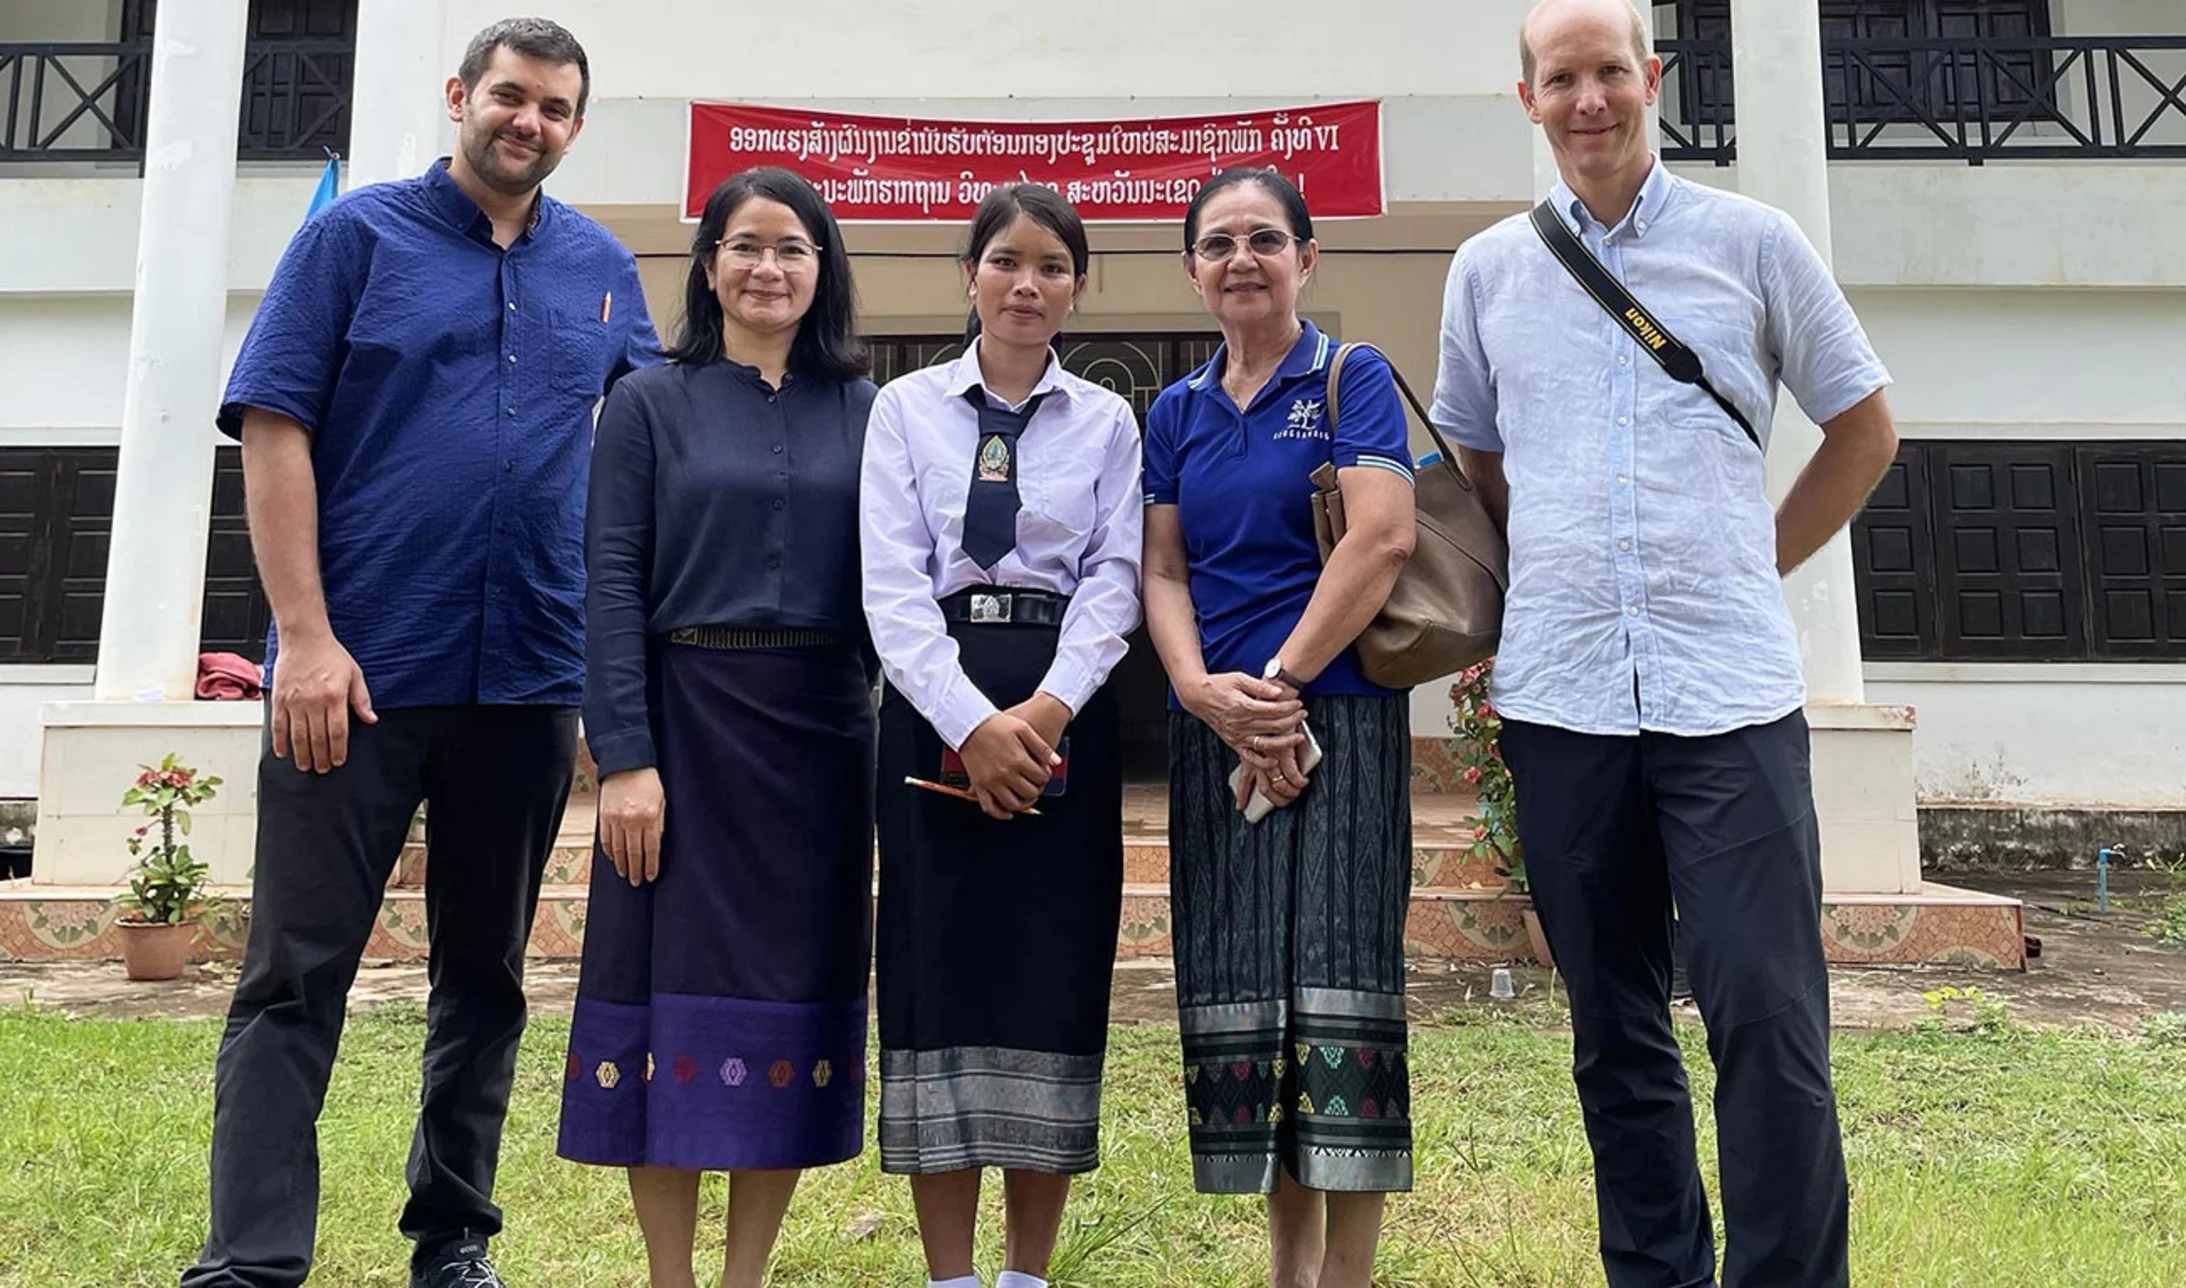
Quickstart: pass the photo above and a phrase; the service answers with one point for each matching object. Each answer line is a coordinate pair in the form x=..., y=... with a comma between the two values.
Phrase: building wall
x=2021, y=363
x=948, y=48
x=2027, y=300
x=62, y=359
x=2085, y=736
x=23, y=691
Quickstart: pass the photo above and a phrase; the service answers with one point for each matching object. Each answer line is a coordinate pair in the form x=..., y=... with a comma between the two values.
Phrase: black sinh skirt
x=1289, y=941
x=997, y=939
x=721, y=1010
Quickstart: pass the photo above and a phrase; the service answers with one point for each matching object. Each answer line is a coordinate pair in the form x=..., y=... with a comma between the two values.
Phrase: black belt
x=727, y=637
x=1001, y=605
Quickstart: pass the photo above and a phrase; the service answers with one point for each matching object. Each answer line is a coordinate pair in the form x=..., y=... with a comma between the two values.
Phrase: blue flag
x=330, y=185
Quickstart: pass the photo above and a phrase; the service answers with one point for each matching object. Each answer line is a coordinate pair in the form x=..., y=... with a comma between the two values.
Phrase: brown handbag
x=1446, y=611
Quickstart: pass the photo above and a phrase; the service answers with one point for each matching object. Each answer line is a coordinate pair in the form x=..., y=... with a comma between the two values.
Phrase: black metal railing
x=86, y=102
x=1971, y=100
x=73, y=102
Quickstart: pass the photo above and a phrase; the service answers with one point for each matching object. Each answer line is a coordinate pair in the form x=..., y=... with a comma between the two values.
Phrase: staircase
x=1461, y=910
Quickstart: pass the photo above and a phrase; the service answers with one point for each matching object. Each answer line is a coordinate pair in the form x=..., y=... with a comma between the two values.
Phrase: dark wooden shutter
x=1894, y=566
x=236, y=613
x=56, y=524
x=2007, y=550
x=25, y=480
x=2134, y=499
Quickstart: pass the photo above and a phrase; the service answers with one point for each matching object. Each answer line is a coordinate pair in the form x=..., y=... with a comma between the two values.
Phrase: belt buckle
x=990, y=608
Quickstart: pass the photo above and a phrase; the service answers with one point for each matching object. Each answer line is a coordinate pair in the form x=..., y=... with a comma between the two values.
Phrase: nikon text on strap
x=1678, y=360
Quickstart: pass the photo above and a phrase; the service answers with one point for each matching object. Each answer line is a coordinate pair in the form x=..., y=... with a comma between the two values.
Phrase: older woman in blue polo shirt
x=1289, y=930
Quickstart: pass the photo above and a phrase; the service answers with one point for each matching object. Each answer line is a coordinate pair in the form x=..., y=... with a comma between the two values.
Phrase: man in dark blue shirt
x=415, y=405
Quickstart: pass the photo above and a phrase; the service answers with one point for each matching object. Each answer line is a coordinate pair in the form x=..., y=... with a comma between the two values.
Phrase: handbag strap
x=1682, y=364
x=1335, y=374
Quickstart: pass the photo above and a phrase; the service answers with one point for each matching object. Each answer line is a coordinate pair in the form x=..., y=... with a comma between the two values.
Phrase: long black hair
x=827, y=346
x=1042, y=205
x=1285, y=192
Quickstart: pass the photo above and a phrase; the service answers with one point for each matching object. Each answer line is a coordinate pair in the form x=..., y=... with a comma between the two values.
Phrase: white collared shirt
x=1078, y=532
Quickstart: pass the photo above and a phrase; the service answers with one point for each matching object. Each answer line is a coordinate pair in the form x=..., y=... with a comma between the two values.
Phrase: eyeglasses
x=791, y=254
x=1263, y=241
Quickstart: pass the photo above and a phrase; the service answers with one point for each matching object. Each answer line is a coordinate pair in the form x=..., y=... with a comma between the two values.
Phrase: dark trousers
x=1615, y=830
x=497, y=779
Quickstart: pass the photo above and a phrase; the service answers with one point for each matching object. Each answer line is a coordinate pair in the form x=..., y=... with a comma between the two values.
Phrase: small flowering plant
x=1480, y=761
x=166, y=885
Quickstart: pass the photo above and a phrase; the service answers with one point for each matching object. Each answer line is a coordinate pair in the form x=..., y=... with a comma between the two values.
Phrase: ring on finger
x=1256, y=742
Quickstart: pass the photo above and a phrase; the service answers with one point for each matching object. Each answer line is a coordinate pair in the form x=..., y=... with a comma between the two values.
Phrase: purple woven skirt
x=721, y=1010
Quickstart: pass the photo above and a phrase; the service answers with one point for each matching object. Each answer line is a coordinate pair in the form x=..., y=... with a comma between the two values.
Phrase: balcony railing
x=86, y=102
x=1971, y=100
x=73, y=102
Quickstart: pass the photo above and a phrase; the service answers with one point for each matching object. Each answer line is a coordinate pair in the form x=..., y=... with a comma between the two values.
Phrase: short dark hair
x=827, y=346
x=539, y=38
x=1043, y=206
x=1283, y=190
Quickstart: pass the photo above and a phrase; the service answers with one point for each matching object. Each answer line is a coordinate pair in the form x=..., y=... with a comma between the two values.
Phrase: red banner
x=893, y=168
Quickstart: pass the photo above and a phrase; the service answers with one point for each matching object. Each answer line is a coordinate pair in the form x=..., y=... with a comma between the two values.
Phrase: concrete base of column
x=1863, y=793
x=91, y=756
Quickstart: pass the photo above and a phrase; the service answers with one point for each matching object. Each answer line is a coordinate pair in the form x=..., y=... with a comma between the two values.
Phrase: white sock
x=1018, y=1279
x=968, y=1281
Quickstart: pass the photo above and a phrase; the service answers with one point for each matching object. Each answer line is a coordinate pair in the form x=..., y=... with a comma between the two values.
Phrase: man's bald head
x=1549, y=13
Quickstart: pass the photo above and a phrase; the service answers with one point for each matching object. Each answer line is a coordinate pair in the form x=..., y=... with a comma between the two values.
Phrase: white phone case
x=1259, y=807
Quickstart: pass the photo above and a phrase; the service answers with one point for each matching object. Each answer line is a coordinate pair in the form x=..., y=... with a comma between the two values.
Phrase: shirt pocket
x=1057, y=507
x=579, y=351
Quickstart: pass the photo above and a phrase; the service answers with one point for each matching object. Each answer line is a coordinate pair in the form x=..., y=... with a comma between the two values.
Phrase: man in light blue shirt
x=1649, y=678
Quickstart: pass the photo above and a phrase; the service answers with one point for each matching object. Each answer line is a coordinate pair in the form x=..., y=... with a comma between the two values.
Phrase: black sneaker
x=461, y=1264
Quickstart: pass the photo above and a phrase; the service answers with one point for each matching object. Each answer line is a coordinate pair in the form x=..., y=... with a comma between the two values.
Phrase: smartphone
x=1259, y=807
x=953, y=773
x=1060, y=777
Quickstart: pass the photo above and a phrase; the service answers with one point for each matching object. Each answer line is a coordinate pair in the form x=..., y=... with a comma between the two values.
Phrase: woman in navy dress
x=721, y=1010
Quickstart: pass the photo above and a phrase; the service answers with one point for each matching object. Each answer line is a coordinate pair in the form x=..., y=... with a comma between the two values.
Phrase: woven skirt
x=997, y=940
x=1289, y=943
x=721, y=1009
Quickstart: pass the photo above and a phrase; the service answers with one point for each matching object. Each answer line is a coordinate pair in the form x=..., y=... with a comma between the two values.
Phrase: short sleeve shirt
x=448, y=385
x=1643, y=593
x=1242, y=485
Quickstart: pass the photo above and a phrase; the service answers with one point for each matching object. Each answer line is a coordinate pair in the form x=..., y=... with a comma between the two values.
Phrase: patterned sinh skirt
x=997, y=940
x=1290, y=958
x=720, y=1018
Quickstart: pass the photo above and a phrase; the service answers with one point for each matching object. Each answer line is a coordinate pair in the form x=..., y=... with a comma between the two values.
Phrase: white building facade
x=1998, y=179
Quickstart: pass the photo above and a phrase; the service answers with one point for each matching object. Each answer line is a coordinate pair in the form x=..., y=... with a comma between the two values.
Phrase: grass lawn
x=1992, y=1160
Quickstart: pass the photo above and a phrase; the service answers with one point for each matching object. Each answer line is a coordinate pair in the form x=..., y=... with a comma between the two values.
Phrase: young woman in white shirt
x=1001, y=528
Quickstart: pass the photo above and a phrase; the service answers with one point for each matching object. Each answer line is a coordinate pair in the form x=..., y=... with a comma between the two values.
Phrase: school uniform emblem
x=994, y=460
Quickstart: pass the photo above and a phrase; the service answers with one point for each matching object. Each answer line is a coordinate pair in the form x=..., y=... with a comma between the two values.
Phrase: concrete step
x=1936, y=925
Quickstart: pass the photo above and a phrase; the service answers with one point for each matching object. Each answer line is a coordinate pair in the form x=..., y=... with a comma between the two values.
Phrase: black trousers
x=497, y=778
x=1615, y=830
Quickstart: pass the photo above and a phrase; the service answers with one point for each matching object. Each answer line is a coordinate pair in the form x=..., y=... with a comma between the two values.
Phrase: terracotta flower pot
x=1539, y=938
x=153, y=952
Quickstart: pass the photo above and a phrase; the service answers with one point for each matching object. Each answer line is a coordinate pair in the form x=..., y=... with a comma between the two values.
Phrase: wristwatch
x=1274, y=671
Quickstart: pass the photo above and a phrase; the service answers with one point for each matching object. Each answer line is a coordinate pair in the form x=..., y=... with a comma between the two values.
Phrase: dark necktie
x=990, y=508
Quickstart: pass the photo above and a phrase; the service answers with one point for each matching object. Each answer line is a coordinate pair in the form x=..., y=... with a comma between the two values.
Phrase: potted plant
x=166, y=886
x=1478, y=727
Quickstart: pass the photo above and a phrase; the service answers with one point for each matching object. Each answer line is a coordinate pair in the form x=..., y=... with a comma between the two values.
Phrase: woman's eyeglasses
x=790, y=254
x=1263, y=242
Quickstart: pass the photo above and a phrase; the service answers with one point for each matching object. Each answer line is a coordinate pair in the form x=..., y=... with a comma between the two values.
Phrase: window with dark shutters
x=2007, y=551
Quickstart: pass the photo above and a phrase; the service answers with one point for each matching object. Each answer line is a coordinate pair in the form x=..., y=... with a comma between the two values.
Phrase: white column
x=1776, y=62
x=398, y=117
x=155, y=574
